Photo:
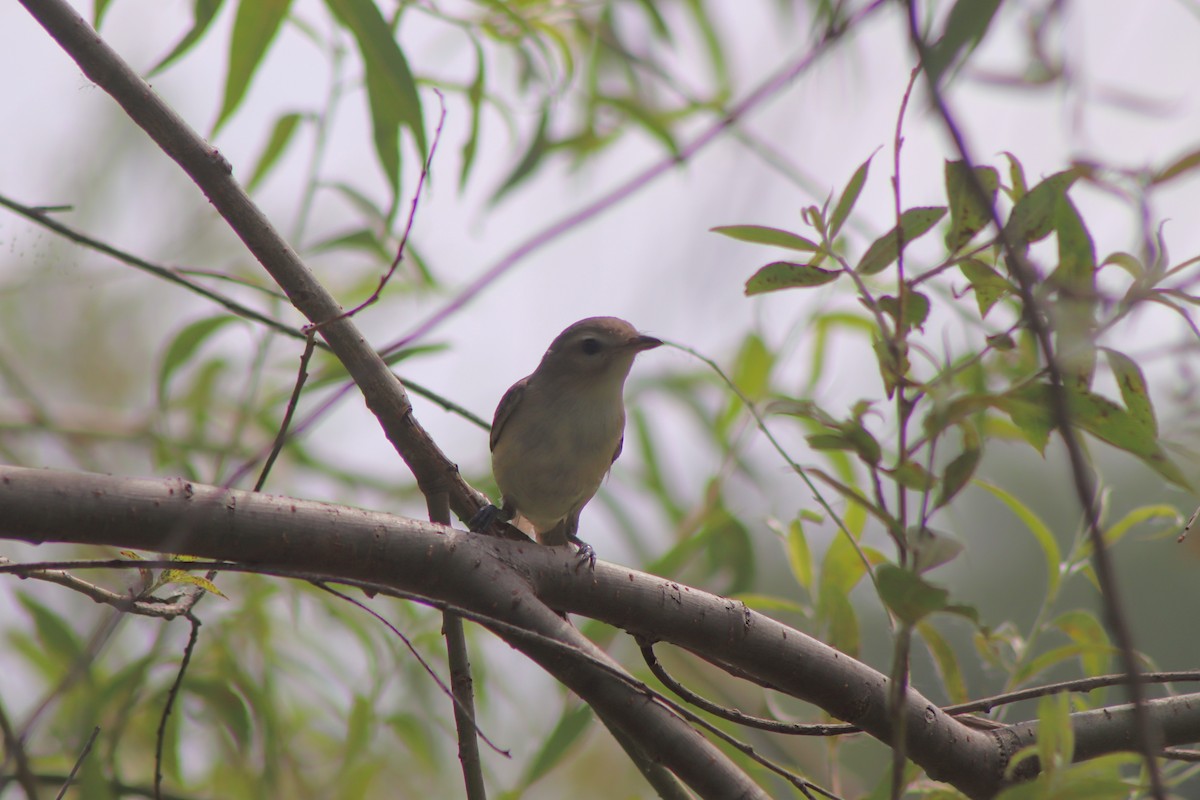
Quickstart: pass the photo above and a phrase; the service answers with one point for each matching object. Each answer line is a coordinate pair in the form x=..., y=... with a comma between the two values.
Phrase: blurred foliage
x=292, y=694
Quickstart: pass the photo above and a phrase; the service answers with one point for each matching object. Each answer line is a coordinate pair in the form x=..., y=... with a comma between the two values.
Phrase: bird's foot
x=585, y=553
x=484, y=518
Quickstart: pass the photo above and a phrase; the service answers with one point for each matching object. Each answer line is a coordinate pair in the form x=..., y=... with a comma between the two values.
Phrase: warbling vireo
x=558, y=431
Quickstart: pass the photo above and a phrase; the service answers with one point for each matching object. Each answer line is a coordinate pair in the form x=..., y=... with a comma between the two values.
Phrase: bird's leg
x=488, y=515
x=585, y=551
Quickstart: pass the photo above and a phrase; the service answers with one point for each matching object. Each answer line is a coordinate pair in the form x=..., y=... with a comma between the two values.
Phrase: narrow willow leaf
x=1056, y=737
x=845, y=203
x=254, y=28
x=281, y=135
x=914, y=223
x=1179, y=166
x=946, y=662
x=1041, y=534
x=203, y=13
x=1076, y=269
x=966, y=25
x=788, y=275
x=799, y=556
x=761, y=234
x=539, y=146
x=572, y=723
x=184, y=344
x=961, y=469
x=391, y=87
x=475, y=99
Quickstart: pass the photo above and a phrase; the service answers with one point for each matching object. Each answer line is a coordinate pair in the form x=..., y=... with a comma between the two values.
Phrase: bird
x=558, y=431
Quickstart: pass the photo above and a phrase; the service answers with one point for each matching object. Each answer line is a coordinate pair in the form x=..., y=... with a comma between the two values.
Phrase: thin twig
x=412, y=215
x=87, y=748
x=282, y=436
x=14, y=749
x=160, y=736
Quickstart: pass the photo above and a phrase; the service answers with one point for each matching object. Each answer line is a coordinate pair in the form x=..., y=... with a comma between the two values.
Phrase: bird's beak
x=639, y=343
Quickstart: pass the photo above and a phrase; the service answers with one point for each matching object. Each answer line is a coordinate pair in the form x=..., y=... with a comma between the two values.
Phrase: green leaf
x=845, y=204
x=1180, y=166
x=764, y=603
x=203, y=13
x=960, y=470
x=281, y=135
x=1134, y=393
x=916, y=309
x=185, y=343
x=752, y=374
x=56, y=636
x=254, y=28
x=861, y=440
x=226, y=705
x=969, y=212
x=988, y=284
x=571, y=725
x=799, y=556
x=914, y=223
x=1076, y=268
x=966, y=25
x=761, y=234
x=1117, y=531
x=908, y=596
x=1055, y=737
x=946, y=662
x=538, y=147
x=1029, y=410
x=1096, y=779
x=1110, y=423
x=1041, y=534
x=1128, y=262
x=475, y=99
x=1016, y=176
x=1033, y=217
x=1085, y=630
x=932, y=548
x=912, y=475
x=841, y=622
x=391, y=87
x=788, y=275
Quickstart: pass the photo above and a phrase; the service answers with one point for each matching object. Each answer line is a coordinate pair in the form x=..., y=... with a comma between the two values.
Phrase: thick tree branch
x=505, y=580
x=484, y=575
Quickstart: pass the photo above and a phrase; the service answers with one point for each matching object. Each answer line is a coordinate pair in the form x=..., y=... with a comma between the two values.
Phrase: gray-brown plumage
x=557, y=431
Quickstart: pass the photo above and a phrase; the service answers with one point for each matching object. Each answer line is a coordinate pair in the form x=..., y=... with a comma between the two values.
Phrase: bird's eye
x=590, y=346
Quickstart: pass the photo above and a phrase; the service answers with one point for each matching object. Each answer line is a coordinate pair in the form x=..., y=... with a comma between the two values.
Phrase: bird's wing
x=617, y=453
x=508, y=404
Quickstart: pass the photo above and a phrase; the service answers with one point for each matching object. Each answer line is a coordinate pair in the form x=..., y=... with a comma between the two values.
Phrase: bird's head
x=597, y=349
